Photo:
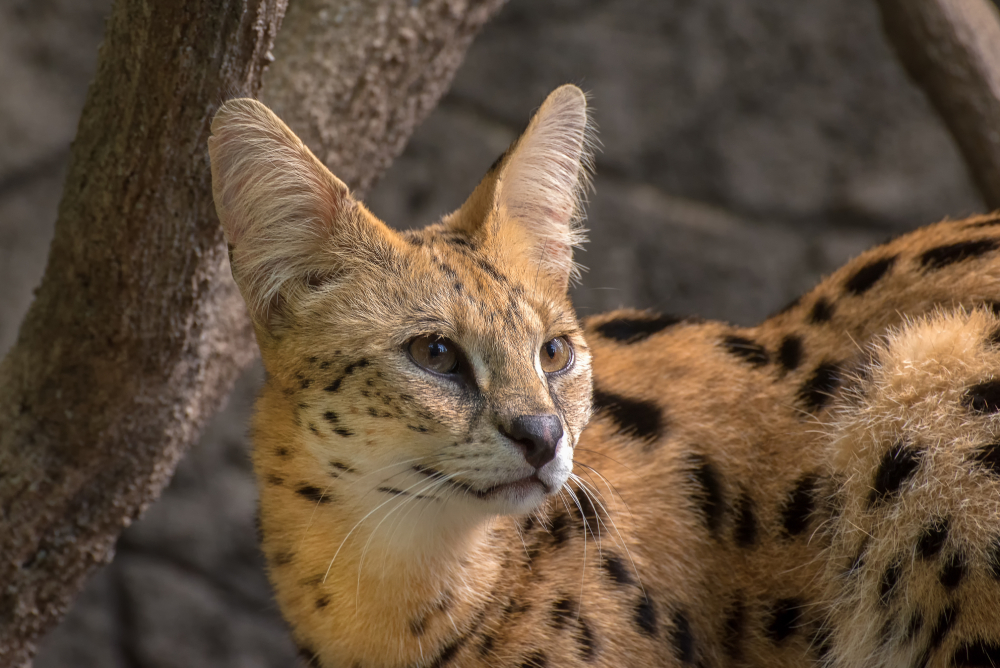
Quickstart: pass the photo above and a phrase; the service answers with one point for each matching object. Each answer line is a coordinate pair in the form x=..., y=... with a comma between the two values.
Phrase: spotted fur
x=820, y=490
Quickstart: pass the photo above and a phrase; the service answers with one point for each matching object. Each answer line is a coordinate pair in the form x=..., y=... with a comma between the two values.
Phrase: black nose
x=536, y=436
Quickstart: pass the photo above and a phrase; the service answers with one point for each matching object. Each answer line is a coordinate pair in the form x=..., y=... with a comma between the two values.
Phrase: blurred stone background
x=748, y=148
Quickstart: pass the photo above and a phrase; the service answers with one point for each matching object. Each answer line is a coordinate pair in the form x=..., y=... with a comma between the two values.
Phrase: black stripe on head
x=942, y=256
x=818, y=389
x=932, y=539
x=682, y=638
x=785, y=617
x=790, y=352
x=898, y=465
x=645, y=616
x=822, y=311
x=746, y=349
x=707, y=494
x=800, y=505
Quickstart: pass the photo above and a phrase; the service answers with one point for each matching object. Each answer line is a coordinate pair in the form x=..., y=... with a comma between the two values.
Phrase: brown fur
x=823, y=489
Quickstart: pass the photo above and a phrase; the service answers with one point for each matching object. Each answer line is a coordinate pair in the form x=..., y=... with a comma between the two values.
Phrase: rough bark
x=951, y=48
x=137, y=331
x=358, y=79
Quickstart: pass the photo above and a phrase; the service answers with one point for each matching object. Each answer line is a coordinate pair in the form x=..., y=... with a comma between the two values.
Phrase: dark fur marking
x=932, y=539
x=313, y=429
x=979, y=654
x=273, y=479
x=561, y=528
x=616, y=568
x=418, y=428
x=314, y=494
x=994, y=559
x=535, y=660
x=887, y=585
x=682, y=638
x=898, y=465
x=822, y=641
x=486, y=646
x=282, y=451
x=588, y=512
x=745, y=530
x=322, y=602
x=563, y=611
x=822, y=311
x=953, y=571
x=942, y=256
x=528, y=524
x=305, y=383
x=868, y=275
x=334, y=386
x=945, y=622
x=989, y=457
x=746, y=349
x=633, y=330
x=708, y=493
x=585, y=637
x=344, y=468
x=645, y=616
x=801, y=505
x=341, y=431
x=817, y=391
x=984, y=397
x=790, y=352
x=914, y=626
x=282, y=558
x=785, y=617
x=734, y=628
x=635, y=417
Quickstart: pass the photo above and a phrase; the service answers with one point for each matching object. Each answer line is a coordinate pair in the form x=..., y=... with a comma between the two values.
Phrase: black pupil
x=437, y=349
x=550, y=349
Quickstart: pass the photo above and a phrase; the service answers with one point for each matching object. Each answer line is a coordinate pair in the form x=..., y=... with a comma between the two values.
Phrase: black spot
x=360, y=364
x=632, y=330
x=790, y=352
x=822, y=311
x=746, y=349
x=682, y=638
x=528, y=524
x=932, y=539
x=273, y=479
x=822, y=641
x=282, y=451
x=984, y=397
x=561, y=528
x=942, y=256
x=314, y=494
x=865, y=277
x=945, y=622
x=989, y=457
x=535, y=660
x=708, y=492
x=635, y=417
x=745, y=530
x=343, y=468
x=486, y=646
x=645, y=617
x=898, y=465
x=800, y=505
x=585, y=637
x=282, y=558
x=734, y=628
x=887, y=585
x=785, y=616
x=334, y=386
x=953, y=571
x=914, y=626
x=341, y=431
x=994, y=559
x=979, y=654
x=313, y=429
x=818, y=389
x=617, y=569
x=417, y=428
x=563, y=611
x=309, y=657
x=324, y=365
x=322, y=602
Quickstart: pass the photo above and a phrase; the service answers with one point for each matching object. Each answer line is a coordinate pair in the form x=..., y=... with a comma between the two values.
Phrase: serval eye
x=435, y=353
x=556, y=354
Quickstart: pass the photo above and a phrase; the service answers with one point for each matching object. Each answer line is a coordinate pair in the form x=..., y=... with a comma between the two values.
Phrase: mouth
x=518, y=487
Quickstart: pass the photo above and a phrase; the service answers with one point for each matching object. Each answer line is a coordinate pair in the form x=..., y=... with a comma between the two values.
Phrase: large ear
x=279, y=205
x=538, y=188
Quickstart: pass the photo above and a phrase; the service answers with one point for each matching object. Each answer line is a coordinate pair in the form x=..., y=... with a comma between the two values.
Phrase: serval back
x=822, y=489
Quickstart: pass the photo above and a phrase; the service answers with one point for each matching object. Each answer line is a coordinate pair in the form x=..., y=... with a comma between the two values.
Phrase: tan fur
x=735, y=499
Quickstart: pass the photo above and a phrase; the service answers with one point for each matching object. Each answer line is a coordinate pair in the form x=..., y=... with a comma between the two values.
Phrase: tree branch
x=951, y=48
x=137, y=332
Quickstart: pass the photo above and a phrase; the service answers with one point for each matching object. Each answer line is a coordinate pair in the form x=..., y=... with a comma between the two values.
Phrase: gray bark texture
x=137, y=332
x=951, y=48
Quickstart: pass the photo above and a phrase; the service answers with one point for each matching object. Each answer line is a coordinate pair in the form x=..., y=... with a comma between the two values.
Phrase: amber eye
x=435, y=353
x=556, y=354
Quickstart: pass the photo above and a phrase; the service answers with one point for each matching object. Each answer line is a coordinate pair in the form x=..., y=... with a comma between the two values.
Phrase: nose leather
x=536, y=436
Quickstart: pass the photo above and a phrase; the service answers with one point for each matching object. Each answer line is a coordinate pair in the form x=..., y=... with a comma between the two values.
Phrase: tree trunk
x=951, y=48
x=137, y=331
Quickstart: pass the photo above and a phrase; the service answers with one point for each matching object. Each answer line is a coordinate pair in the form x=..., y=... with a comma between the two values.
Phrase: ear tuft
x=277, y=203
